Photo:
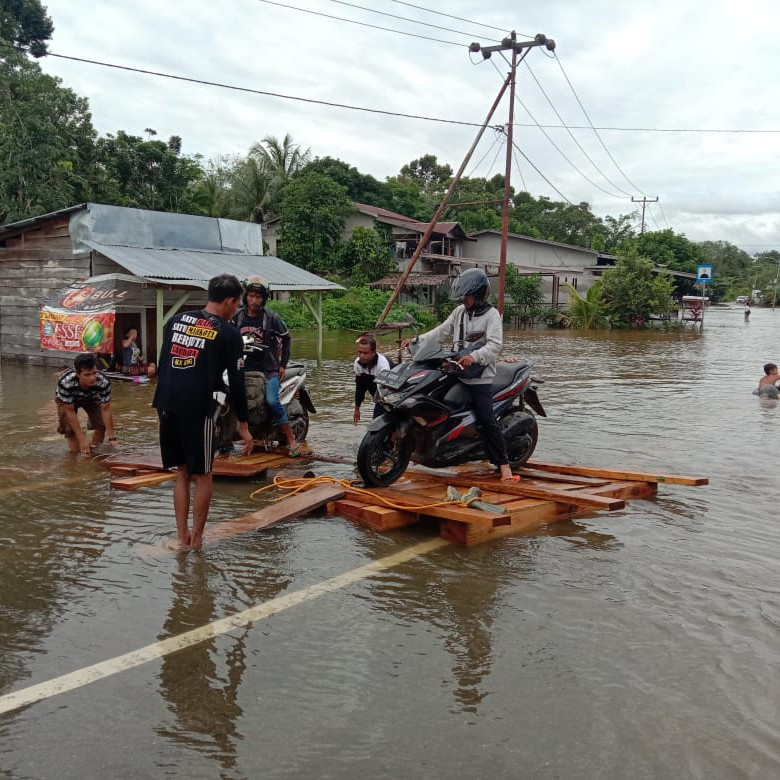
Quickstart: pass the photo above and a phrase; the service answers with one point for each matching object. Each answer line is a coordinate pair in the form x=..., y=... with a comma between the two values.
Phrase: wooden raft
x=133, y=471
x=546, y=493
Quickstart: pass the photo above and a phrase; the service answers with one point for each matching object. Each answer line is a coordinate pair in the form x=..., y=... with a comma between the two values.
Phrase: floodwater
x=641, y=643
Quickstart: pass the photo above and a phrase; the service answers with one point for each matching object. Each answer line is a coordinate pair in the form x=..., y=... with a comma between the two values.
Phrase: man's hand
x=356, y=415
x=246, y=437
x=405, y=343
x=85, y=448
x=282, y=372
x=466, y=361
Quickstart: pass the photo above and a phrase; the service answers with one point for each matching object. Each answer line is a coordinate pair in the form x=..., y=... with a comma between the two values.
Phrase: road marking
x=90, y=674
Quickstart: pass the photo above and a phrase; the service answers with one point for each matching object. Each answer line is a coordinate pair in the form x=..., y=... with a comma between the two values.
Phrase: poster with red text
x=74, y=331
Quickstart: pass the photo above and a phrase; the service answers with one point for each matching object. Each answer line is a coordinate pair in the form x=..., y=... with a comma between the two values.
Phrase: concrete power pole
x=644, y=202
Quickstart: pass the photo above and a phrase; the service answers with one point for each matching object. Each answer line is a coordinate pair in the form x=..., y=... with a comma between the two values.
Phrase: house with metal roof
x=162, y=262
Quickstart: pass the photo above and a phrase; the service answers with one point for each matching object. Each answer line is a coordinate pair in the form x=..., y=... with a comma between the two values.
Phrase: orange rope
x=296, y=484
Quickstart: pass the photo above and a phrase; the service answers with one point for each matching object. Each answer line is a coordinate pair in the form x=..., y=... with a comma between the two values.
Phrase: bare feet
x=507, y=475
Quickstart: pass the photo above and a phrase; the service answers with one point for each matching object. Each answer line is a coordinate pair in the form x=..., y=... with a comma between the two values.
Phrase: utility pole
x=644, y=201
x=509, y=43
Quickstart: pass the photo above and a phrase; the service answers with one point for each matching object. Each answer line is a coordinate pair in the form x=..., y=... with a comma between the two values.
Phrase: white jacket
x=488, y=324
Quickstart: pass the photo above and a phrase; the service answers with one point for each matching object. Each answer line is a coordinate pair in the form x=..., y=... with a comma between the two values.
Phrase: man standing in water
x=84, y=387
x=268, y=329
x=198, y=346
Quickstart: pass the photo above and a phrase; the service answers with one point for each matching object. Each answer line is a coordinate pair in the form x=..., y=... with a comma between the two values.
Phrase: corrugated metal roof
x=188, y=265
x=413, y=280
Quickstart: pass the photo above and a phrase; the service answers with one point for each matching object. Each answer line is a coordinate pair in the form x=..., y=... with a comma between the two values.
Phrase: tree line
x=52, y=157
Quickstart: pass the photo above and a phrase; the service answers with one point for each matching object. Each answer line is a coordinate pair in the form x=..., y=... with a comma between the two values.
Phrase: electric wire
x=451, y=16
x=663, y=214
x=361, y=24
x=267, y=93
x=519, y=170
x=407, y=19
x=577, y=98
x=528, y=160
x=572, y=136
x=482, y=159
x=558, y=148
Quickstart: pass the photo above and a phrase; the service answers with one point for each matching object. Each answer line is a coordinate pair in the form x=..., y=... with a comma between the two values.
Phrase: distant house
x=161, y=261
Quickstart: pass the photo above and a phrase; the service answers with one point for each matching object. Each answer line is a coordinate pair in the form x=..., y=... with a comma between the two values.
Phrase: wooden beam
x=637, y=476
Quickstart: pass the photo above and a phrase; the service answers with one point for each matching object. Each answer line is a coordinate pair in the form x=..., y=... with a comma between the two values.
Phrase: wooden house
x=159, y=263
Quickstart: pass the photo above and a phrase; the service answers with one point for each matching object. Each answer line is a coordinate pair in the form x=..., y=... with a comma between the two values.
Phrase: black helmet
x=473, y=281
x=255, y=284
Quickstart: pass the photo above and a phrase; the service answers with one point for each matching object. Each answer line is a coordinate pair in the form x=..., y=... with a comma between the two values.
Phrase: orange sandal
x=513, y=478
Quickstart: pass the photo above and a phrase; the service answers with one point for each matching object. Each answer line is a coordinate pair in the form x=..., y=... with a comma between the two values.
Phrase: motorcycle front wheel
x=382, y=457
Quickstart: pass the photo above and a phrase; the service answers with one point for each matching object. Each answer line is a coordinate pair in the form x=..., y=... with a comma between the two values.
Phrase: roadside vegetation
x=53, y=158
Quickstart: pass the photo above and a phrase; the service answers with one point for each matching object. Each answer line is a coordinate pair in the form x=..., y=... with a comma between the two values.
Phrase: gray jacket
x=488, y=323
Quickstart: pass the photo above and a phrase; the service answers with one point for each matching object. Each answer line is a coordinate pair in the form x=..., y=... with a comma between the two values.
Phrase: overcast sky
x=643, y=66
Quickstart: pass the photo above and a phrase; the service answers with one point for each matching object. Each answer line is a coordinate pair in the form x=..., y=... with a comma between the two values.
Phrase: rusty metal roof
x=413, y=280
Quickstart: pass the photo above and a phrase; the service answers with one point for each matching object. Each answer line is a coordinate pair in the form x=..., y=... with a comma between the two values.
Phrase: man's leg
x=95, y=413
x=200, y=507
x=482, y=396
x=277, y=410
x=181, y=505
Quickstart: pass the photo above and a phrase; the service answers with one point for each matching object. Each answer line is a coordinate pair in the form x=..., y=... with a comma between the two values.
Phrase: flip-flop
x=513, y=478
x=295, y=451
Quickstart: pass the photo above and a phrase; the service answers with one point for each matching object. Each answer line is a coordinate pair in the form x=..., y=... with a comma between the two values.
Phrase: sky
x=656, y=79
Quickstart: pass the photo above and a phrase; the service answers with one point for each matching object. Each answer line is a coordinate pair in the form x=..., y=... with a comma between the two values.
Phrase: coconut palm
x=586, y=311
x=278, y=160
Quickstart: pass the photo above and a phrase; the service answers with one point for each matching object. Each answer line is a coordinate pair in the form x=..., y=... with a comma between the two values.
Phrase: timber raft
x=469, y=504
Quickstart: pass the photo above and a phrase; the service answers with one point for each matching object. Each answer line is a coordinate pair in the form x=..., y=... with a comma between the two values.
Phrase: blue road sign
x=703, y=274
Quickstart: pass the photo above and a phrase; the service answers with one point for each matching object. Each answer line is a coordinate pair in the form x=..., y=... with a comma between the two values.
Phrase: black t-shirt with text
x=197, y=348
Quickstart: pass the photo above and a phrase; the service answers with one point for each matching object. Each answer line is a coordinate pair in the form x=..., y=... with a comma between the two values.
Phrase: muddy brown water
x=641, y=643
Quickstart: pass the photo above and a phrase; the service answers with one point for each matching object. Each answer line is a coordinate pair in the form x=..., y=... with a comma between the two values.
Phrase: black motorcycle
x=428, y=417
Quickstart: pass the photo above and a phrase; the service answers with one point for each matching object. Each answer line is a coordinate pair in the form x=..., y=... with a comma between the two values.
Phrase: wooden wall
x=33, y=266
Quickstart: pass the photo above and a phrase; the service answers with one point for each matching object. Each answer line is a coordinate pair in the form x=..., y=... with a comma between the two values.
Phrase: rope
x=296, y=484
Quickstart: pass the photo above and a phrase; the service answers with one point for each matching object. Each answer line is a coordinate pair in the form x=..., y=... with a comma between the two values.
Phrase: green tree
x=25, y=23
x=46, y=137
x=278, y=161
x=618, y=231
x=432, y=178
x=524, y=295
x=361, y=187
x=586, y=312
x=365, y=257
x=633, y=291
x=313, y=213
x=150, y=174
x=555, y=220
x=406, y=198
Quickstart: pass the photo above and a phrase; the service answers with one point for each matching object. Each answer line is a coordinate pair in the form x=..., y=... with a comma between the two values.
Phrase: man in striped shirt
x=84, y=387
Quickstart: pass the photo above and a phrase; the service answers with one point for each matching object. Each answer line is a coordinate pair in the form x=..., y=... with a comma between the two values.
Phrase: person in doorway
x=267, y=328
x=198, y=347
x=368, y=364
x=476, y=322
x=133, y=362
x=769, y=384
x=84, y=387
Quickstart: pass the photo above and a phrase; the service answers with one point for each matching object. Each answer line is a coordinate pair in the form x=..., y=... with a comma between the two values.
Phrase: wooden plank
x=380, y=518
x=289, y=507
x=637, y=476
x=141, y=481
x=548, y=476
x=572, y=497
x=627, y=490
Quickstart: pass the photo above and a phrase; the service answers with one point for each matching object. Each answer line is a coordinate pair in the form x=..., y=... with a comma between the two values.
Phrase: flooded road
x=641, y=643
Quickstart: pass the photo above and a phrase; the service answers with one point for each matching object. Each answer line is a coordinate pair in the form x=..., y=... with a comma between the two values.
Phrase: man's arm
x=108, y=419
x=73, y=424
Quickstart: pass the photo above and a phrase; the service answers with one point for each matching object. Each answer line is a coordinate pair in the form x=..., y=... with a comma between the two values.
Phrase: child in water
x=767, y=384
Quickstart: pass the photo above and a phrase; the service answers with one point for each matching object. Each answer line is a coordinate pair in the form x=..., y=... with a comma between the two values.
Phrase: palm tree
x=278, y=161
x=250, y=191
x=588, y=310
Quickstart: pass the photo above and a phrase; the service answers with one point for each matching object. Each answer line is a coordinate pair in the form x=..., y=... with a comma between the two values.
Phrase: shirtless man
x=767, y=385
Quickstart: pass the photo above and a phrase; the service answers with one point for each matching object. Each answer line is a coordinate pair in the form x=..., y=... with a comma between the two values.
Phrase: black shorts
x=187, y=440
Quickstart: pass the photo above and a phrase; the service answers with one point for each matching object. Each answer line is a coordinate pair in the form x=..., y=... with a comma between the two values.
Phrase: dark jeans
x=482, y=397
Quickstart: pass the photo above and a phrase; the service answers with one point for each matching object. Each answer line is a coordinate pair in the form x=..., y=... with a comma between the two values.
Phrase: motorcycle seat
x=505, y=373
x=294, y=369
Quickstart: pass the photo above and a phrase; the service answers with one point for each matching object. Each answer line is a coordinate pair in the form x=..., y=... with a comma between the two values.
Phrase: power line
x=527, y=159
x=558, y=148
x=383, y=111
x=361, y=24
x=450, y=16
x=573, y=137
x=263, y=92
x=403, y=18
x=577, y=98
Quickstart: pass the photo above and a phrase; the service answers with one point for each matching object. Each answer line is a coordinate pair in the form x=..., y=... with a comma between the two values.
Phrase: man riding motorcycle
x=267, y=328
x=476, y=330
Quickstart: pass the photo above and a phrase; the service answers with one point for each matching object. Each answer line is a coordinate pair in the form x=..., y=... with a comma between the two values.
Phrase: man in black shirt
x=266, y=327
x=198, y=346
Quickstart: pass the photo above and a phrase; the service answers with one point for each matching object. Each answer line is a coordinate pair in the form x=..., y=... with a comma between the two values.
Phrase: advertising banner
x=77, y=331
